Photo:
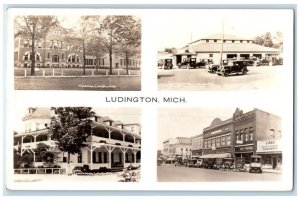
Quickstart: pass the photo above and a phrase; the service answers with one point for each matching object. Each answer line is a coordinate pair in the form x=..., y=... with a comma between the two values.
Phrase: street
x=263, y=77
x=171, y=173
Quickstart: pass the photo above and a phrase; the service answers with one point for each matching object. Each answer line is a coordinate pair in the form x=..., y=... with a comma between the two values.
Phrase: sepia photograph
x=222, y=50
x=87, y=52
x=76, y=144
x=219, y=145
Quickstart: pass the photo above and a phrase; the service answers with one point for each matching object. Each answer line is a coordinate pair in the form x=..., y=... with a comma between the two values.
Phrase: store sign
x=244, y=148
x=239, y=141
x=215, y=132
x=268, y=146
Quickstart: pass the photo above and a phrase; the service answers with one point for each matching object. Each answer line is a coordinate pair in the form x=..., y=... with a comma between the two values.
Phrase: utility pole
x=222, y=41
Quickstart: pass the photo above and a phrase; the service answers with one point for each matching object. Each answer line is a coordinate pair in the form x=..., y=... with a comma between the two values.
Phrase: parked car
x=239, y=163
x=223, y=163
x=191, y=163
x=213, y=68
x=188, y=62
x=237, y=67
x=255, y=165
x=199, y=163
x=168, y=64
x=208, y=162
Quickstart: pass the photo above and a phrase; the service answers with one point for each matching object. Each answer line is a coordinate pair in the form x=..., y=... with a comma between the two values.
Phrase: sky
x=187, y=122
x=176, y=29
x=126, y=115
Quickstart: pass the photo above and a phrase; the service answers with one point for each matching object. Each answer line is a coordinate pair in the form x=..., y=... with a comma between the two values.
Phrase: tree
x=27, y=160
x=84, y=29
x=44, y=154
x=17, y=159
x=95, y=47
x=111, y=29
x=70, y=128
x=34, y=29
x=265, y=40
x=130, y=37
x=170, y=50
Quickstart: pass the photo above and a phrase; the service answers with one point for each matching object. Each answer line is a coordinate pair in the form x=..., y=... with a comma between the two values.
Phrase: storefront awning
x=220, y=155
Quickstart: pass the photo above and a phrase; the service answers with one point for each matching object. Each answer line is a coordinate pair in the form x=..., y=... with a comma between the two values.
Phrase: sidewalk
x=275, y=171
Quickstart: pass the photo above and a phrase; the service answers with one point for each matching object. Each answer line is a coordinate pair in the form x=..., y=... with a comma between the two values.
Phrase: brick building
x=55, y=50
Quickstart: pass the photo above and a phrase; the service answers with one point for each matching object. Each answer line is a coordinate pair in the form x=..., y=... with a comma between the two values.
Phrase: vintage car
x=223, y=163
x=188, y=62
x=236, y=67
x=199, y=163
x=191, y=163
x=168, y=64
x=209, y=163
x=239, y=163
x=213, y=68
x=255, y=165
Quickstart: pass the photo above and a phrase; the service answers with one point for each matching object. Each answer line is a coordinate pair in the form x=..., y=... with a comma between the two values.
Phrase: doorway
x=274, y=162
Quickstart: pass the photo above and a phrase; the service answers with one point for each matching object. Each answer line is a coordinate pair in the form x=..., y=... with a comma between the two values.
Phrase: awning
x=220, y=155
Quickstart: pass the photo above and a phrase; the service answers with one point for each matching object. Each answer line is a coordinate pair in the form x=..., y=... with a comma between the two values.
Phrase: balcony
x=33, y=145
x=96, y=139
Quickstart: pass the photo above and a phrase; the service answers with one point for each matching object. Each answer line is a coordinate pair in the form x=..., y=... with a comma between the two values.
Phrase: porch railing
x=40, y=171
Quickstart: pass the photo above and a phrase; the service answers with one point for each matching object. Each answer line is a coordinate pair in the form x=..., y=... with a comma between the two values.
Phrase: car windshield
x=256, y=160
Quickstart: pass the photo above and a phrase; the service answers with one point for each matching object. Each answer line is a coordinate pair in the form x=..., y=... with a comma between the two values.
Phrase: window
x=242, y=136
x=228, y=139
x=62, y=56
x=218, y=141
x=213, y=142
x=26, y=57
x=121, y=61
x=55, y=44
x=205, y=143
x=223, y=140
x=55, y=59
x=250, y=134
x=186, y=149
x=246, y=137
x=64, y=158
x=48, y=56
x=78, y=59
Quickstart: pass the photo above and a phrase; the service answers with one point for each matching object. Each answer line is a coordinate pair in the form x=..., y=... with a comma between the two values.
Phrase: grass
x=71, y=72
x=113, y=83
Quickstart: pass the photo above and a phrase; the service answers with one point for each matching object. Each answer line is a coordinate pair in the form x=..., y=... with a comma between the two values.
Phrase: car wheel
x=226, y=74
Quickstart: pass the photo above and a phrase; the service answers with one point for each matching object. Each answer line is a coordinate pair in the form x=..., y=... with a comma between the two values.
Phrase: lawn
x=71, y=72
x=112, y=83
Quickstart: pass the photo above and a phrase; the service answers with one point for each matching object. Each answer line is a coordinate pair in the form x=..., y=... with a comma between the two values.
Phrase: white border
x=283, y=96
